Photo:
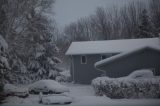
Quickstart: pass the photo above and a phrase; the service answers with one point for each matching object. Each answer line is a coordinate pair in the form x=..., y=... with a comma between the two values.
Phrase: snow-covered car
x=143, y=73
x=55, y=99
x=47, y=87
x=11, y=90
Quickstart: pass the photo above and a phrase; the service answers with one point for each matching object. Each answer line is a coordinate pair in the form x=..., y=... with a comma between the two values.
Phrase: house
x=85, y=54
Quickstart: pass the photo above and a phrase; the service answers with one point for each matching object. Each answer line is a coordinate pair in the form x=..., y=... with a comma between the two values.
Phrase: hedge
x=127, y=88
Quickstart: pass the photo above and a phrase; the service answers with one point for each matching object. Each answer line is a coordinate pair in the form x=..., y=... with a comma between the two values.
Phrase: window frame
x=85, y=59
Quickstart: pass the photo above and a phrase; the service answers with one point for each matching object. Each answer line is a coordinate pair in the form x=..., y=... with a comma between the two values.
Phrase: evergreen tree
x=146, y=27
x=29, y=32
x=4, y=65
x=43, y=63
x=42, y=49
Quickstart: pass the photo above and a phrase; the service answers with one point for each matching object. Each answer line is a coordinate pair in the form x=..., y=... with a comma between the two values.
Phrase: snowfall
x=82, y=95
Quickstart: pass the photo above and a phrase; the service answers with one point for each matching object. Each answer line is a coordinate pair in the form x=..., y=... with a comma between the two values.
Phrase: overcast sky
x=67, y=11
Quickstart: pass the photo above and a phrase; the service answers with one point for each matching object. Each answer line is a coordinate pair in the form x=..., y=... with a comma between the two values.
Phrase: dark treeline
x=135, y=20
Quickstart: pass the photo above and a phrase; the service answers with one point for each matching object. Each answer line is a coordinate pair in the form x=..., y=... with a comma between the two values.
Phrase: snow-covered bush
x=127, y=87
x=64, y=76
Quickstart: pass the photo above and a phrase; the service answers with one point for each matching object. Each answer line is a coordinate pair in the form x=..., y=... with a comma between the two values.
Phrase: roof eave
x=122, y=55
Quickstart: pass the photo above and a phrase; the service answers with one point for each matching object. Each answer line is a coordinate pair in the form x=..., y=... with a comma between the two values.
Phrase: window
x=103, y=57
x=83, y=59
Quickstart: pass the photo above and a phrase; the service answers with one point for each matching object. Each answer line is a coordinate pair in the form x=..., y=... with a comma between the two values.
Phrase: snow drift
x=56, y=99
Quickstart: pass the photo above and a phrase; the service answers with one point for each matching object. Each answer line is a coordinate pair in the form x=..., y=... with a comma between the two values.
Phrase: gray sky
x=67, y=11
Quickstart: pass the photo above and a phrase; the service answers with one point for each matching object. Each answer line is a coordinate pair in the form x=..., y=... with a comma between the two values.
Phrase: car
x=141, y=74
x=55, y=99
x=47, y=87
x=12, y=90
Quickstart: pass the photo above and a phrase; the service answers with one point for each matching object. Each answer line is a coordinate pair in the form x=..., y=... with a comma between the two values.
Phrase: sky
x=67, y=11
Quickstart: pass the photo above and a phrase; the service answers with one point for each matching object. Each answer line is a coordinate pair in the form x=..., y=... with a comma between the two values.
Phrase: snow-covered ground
x=83, y=95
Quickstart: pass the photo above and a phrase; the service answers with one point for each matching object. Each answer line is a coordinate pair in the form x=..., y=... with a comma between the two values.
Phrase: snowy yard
x=83, y=95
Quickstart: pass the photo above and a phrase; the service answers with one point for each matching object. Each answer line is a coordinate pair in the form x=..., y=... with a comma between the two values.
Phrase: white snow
x=39, y=50
x=4, y=62
x=66, y=73
x=121, y=55
x=41, y=71
x=56, y=99
x=137, y=85
x=110, y=46
x=52, y=73
x=64, y=76
x=143, y=73
x=9, y=89
x=50, y=84
x=50, y=61
x=83, y=95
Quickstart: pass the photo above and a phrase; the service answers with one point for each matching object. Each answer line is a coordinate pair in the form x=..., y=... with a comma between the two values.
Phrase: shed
x=125, y=63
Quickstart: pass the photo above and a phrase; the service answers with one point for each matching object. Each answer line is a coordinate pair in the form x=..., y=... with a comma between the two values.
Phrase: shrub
x=127, y=88
x=64, y=77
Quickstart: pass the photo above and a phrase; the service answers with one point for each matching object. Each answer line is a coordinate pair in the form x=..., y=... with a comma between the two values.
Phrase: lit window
x=83, y=59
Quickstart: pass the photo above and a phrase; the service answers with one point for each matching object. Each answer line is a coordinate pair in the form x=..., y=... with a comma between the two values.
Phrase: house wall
x=85, y=73
x=139, y=60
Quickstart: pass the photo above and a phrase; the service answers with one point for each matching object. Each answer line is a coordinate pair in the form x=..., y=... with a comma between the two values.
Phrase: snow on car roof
x=50, y=84
x=110, y=46
x=121, y=55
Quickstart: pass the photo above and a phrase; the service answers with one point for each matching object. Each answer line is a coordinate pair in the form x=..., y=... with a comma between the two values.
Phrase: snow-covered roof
x=110, y=46
x=121, y=55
